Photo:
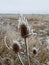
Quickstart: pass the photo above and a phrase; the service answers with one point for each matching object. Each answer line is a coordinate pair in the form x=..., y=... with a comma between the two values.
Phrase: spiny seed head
x=35, y=50
x=23, y=27
x=16, y=46
x=24, y=31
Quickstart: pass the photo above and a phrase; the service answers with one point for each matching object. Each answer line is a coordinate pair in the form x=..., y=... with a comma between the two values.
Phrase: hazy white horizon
x=24, y=6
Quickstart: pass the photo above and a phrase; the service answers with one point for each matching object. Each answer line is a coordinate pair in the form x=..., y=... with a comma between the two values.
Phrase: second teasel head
x=16, y=46
x=35, y=50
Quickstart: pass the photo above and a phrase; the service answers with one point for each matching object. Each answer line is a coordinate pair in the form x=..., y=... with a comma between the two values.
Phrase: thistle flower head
x=23, y=27
x=16, y=46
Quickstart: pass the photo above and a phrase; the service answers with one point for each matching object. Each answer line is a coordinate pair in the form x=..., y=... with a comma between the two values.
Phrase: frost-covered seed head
x=35, y=50
x=23, y=27
x=16, y=46
x=24, y=31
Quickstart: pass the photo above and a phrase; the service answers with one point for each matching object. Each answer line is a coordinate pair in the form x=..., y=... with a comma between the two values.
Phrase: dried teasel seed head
x=35, y=50
x=16, y=46
x=23, y=27
x=24, y=31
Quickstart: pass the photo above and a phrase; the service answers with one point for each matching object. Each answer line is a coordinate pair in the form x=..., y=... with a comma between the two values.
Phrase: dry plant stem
x=20, y=59
x=25, y=45
x=27, y=51
x=6, y=43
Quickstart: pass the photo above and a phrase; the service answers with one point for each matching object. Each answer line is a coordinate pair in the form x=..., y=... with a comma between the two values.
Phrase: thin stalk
x=6, y=43
x=25, y=45
x=20, y=59
x=27, y=51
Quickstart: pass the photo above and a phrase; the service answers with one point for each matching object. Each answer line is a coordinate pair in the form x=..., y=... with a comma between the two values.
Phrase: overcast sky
x=24, y=6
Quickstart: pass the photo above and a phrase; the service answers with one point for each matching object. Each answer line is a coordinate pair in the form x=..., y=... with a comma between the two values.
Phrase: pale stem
x=6, y=43
x=20, y=59
x=27, y=50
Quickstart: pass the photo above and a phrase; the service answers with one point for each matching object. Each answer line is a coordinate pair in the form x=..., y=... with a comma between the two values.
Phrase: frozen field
x=39, y=24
